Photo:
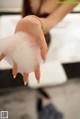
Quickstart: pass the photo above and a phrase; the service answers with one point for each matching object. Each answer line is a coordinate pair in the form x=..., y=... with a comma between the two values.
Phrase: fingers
x=25, y=78
x=43, y=46
x=37, y=74
x=14, y=72
x=2, y=56
x=15, y=69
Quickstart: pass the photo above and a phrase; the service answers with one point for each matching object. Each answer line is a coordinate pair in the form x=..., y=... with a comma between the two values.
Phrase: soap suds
x=23, y=50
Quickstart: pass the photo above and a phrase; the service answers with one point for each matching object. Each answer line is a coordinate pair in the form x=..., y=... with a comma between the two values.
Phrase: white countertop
x=65, y=38
x=65, y=45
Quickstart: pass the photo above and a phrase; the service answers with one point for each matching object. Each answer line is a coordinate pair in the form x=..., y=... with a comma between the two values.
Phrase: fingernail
x=1, y=56
x=44, y=58
x=44, y=61
x=25, y=83
x=38, y=81
x=14, y=76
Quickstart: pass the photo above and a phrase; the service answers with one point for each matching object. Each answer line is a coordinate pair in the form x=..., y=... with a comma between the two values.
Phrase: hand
x=31, y=26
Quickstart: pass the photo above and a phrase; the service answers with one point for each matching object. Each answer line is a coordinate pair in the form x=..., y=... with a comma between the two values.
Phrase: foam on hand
x=23, y=50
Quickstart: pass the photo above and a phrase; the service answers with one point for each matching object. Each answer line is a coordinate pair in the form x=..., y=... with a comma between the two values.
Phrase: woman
x=49, y=12
x=41, y=16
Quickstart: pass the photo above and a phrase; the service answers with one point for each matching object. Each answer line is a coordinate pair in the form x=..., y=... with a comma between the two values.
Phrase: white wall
x=10, y=5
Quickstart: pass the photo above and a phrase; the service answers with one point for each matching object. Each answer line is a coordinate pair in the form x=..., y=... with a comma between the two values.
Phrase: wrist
x=46, y=25
x=52, y=21
x=41, y=22
x=36, y=20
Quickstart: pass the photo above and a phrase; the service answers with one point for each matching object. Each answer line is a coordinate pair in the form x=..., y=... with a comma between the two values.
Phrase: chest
x=47, y=6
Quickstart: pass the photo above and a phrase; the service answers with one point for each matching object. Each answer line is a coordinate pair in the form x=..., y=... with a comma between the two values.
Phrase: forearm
x=60, y=13
x=57, y=16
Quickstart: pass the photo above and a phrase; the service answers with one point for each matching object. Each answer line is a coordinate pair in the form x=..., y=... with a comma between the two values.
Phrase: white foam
x=23, y=50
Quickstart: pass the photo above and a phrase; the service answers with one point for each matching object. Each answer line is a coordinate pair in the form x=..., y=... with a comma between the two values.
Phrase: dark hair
x=26, y=10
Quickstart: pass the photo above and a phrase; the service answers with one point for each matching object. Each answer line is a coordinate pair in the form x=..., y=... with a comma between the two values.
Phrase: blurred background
x=58, y=94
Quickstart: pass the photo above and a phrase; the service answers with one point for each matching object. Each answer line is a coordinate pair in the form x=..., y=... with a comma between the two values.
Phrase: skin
x=33, y=26
x=30, y=25
x=56, y=14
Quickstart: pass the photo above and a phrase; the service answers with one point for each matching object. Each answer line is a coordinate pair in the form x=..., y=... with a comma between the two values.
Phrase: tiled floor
x=22, y=101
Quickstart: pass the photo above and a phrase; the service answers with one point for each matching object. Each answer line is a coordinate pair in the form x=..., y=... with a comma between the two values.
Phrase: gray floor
x=21, y=102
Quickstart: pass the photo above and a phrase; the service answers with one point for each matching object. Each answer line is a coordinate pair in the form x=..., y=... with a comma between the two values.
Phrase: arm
x=57, y=16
